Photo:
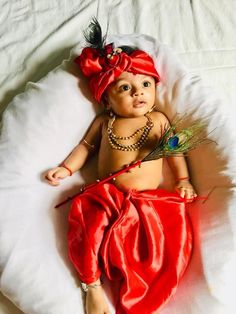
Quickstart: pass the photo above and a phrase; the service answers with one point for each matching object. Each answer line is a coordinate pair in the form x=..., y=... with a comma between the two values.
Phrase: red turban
x=103, y=69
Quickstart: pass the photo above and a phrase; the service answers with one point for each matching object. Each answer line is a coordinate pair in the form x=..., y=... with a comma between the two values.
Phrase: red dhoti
x=142, y=238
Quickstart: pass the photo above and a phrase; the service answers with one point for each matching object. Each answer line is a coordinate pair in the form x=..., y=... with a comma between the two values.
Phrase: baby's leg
x=95, y=300
x=87, y=223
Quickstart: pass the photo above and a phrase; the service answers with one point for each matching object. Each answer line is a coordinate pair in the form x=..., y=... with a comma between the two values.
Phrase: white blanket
x=31, y=127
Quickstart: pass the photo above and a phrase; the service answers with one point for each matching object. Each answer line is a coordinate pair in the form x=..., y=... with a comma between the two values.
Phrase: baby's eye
x=146, y=84
x=124, y=87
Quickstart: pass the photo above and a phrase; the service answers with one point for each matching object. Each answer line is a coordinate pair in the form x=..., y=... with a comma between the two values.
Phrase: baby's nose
x=137, y=92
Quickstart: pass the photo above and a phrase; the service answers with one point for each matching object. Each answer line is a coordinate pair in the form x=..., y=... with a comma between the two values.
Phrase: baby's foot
x=96, y=302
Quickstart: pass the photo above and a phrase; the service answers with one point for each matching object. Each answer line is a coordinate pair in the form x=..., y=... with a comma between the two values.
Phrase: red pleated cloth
x=143, y=239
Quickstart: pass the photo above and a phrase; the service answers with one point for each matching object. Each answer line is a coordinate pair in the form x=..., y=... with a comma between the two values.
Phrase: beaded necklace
x=114, y=139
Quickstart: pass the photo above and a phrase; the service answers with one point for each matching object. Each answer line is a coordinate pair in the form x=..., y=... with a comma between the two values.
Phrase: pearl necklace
x=114, y=139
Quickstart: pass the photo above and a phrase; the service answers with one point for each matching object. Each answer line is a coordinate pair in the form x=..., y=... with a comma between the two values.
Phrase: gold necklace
x=114, y=139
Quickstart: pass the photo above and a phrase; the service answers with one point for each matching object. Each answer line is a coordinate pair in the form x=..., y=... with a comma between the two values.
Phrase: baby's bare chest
x=125, y=147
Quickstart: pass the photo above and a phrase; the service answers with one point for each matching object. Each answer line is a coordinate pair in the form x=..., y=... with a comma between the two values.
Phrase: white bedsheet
x=37, y=35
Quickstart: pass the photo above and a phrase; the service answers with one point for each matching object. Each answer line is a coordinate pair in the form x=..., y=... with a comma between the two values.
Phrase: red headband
x=103, y=69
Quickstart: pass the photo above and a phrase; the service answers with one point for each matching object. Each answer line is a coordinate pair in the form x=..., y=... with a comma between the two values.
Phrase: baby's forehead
x=129, y=76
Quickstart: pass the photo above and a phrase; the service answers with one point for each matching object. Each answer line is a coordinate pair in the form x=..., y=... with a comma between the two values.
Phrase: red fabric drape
x=142, y=238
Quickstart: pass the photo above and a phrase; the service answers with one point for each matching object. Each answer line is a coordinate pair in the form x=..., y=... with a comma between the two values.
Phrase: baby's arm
x=183, y=186
x=179, y=168
x=79, y=154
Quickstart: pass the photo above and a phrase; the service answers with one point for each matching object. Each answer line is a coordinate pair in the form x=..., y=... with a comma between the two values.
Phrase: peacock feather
x=178, y=143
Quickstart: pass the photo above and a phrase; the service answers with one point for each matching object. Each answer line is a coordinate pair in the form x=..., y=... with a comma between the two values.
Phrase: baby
x=136, y=233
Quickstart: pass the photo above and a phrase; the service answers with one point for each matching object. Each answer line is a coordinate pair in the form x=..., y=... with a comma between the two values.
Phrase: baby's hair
x=128, y=49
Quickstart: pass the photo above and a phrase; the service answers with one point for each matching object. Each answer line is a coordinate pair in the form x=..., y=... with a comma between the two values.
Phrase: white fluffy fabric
x=40, y=128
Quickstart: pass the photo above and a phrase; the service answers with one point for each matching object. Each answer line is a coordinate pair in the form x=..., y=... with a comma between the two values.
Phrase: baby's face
x=131, y=95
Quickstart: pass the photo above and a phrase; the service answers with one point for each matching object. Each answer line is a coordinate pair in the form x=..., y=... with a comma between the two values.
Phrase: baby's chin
x=135, y=113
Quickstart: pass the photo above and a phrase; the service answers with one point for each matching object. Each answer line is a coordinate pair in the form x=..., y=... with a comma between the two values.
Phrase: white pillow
x=41, y=127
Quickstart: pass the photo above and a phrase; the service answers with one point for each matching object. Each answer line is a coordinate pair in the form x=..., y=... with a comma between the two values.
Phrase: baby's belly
x=146, y=177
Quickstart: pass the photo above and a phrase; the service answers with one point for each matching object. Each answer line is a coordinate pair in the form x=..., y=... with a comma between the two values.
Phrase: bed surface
x=36, y=36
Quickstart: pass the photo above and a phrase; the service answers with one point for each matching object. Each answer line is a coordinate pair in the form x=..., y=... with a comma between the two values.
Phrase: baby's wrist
x=67, y=168
x=181, y=179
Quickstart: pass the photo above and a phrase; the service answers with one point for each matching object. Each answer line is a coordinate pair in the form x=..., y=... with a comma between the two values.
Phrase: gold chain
x=114, y=139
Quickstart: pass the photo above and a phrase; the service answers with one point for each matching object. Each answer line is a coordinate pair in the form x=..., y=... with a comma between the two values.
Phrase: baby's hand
x=54, y=175
x=185, y=190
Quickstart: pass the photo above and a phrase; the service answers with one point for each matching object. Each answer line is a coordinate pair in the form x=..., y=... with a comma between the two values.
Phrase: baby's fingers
x=52, y=177
x=190, y=195
x=52, y=182
x=180, y=190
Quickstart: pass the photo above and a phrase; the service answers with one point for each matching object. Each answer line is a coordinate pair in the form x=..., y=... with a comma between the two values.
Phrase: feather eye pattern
x=178, y=143
x=93, y=35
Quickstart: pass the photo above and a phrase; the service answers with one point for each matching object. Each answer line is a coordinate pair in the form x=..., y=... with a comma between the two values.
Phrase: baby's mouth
x=139, y=104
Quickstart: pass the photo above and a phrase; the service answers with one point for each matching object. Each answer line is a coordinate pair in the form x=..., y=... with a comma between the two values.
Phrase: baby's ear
x=105, y=102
